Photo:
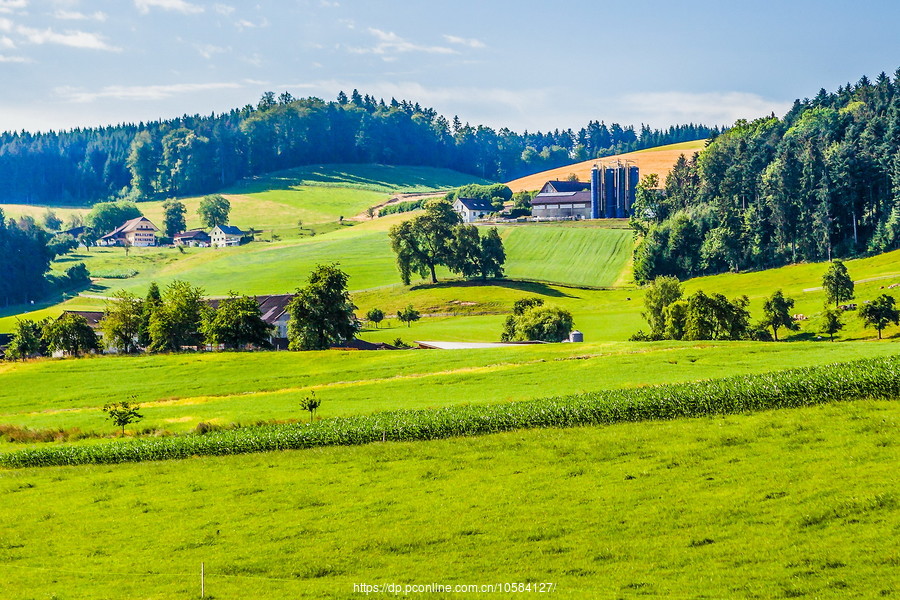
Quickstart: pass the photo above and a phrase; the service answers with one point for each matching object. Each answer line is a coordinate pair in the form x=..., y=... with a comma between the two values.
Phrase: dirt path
x=364, y=216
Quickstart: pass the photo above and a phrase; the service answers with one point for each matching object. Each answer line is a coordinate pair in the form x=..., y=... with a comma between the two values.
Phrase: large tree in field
x=880, y=312
x=173, y=217
x=837, y=283
x=662, y=292
x=175, y=323
x=214, y=210
x=777, y=313
x=424, y=242
x=106, y=216
x=236, y=323
x=121, y=325
x=71, y=334
x=322, y=313
x=26, y=340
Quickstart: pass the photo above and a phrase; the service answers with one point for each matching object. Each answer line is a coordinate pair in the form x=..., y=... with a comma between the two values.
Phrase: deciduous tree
x=121, y=323
x=777, y=311
x=214, y=210
x=322, y=313
x=879, y=313
x=837, y=283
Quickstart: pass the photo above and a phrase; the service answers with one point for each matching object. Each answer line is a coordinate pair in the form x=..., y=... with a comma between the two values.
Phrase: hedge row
x=873, y=378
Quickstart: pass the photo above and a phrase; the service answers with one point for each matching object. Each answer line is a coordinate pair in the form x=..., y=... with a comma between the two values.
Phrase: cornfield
x=864, y=379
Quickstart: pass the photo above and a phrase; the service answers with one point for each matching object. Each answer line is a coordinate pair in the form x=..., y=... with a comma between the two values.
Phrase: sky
x=526, y=65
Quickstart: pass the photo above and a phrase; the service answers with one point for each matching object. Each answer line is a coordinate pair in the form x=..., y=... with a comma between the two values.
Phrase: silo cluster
x=612, y=190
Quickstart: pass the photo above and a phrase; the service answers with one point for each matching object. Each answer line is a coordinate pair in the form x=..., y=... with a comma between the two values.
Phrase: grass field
x=782, y=504
x=657, y=160
x=178, y=392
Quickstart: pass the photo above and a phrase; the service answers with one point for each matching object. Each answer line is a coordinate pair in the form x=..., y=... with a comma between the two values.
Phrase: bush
x=872, y=378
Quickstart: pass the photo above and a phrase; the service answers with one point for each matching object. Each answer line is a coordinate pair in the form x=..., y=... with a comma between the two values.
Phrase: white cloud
x=245, y=24
x=74, y=39
x=7, y=43
x=328, y=4
x=207, y=51
x=141, y=92
x=470, y=42
x=709, y=108
x=8, y=6
x=5, y=24
x=389, y=43
x=13, y=59
x=223, y=9
x=74, y=15
x=181, y=6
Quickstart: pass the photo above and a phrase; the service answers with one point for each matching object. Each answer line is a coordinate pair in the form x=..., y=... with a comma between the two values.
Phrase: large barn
x=609, y=195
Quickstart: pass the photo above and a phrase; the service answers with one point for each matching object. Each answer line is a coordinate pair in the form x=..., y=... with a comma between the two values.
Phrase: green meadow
x=780, y=504
x=177, y=392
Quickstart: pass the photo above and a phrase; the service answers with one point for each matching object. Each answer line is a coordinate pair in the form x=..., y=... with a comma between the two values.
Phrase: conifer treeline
x=200, y=154
x=822, y=182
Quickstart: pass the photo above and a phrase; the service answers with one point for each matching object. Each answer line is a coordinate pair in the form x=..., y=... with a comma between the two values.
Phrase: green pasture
x=571, y=255
x=780, y=504
x=179, y=391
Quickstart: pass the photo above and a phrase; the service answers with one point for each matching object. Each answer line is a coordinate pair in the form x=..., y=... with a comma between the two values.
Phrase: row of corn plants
x=872, y=378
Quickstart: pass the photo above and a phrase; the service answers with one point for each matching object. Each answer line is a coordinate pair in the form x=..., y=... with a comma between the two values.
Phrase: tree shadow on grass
x=531, y=287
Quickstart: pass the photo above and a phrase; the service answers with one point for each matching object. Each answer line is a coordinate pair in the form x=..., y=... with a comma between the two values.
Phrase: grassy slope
x=780, y=504
x=657, y=160
x=177, y=392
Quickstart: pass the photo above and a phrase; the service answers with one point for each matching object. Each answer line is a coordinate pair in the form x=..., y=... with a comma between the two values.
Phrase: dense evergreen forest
x=822, y=182
x=201, y=154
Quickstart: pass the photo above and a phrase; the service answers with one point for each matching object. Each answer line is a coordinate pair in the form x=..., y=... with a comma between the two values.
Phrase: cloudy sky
x=522, y=64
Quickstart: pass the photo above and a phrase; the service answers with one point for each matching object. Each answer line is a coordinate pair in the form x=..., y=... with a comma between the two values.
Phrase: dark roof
x=272, y=307
x=5, y=339
x=74, y=232
x=193, y=234
x=230, y=230
x=476, y=204
x=356, y=344
x=92, y=317
x=556, y=198
x=568, y=186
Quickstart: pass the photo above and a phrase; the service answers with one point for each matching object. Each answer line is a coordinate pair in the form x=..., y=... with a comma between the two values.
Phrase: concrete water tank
x=576, y=336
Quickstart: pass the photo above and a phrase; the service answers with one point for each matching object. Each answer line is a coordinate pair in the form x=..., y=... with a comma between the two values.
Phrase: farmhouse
x=225, y=235
x=136, y=232
x=195, y=238
x=471, y=209
x=608, y=195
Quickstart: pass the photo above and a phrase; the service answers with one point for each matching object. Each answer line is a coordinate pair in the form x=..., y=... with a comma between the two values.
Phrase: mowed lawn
x=177, y=392
x=780, y=504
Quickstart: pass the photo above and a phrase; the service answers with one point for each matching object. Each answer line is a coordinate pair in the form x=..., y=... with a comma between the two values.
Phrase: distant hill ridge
x=197, y=154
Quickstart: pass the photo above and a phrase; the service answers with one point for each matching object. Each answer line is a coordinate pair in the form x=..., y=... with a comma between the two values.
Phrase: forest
x=822, y=182
x=201, y=154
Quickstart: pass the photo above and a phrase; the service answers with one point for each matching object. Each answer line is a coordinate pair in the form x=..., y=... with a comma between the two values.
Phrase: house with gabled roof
x=226, y=235
x=472, y=209
x=138, y=232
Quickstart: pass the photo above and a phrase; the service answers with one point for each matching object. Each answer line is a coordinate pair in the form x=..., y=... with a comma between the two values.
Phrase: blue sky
x=520, y=64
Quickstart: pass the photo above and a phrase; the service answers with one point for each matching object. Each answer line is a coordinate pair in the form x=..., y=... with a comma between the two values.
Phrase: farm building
x=225, y=235
x=139, y=232
x=609, y=195
x=471, y=209
x=195, y=238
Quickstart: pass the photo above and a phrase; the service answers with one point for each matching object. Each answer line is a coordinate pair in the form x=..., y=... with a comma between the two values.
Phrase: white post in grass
x=202, y=581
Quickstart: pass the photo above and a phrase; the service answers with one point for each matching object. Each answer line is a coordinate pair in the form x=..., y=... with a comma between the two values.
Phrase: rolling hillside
x=652, y=160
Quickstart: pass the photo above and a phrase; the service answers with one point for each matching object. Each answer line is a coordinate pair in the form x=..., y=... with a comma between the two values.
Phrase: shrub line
x=864, y=379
